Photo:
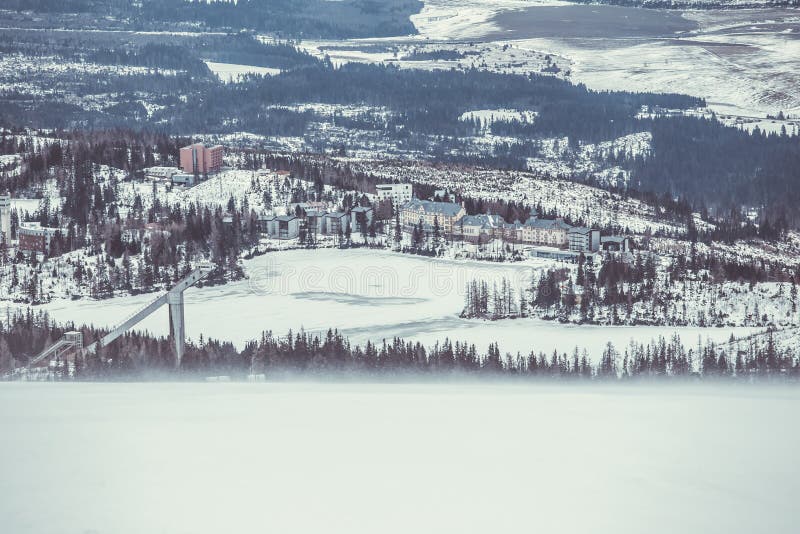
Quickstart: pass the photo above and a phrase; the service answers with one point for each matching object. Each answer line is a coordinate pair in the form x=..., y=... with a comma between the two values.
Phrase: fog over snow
x=254, y=458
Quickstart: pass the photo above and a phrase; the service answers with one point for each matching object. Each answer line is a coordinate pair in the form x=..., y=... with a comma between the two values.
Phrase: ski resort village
x=399, y=266
x=312, y=242
x=449, y=176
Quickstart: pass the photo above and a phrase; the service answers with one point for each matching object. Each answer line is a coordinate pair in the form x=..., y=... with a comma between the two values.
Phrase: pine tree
x=398, y=231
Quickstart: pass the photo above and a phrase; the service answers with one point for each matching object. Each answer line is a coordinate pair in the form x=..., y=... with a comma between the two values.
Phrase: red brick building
x=35, y=238
x=197, y=158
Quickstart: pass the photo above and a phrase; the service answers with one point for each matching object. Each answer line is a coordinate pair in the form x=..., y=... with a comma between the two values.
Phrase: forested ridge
x=698, y=161
x=308, y=18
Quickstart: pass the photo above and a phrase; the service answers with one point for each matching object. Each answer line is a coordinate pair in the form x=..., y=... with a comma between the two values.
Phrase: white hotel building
x=399, y=193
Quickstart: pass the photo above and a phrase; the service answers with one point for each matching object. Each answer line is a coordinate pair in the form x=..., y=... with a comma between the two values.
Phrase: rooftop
x=579, y=230
x=389, y=186
x=483, y=220
x=547, y=224
x=439, y=208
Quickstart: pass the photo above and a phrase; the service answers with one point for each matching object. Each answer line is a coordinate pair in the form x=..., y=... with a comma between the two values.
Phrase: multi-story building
x=5, y=219
x=552, y=233
x=427, y=212
x=480, y=228
x=285, y=227
x=197, y=159
x=315, y=221
x=264, y=222
x=512, y=231
x=358, y=216
x=279, y=227
x=399, y=193
x=33, y=237
x=336, y=223
x=583, y=239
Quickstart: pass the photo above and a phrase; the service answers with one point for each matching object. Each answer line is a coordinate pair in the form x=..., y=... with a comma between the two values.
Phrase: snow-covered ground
x=568, y=199
x=369, y=295
x=743, y=61
x=489, y=116
x=230, y=72
x=300, y=458
x=23, y=205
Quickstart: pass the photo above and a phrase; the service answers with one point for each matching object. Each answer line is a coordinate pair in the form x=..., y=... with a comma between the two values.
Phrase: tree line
x=296, y=18
x=686, y=291
x=136, y=356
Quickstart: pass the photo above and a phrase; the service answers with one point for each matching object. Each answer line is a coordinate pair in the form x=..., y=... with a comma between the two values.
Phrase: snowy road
x=254, y=458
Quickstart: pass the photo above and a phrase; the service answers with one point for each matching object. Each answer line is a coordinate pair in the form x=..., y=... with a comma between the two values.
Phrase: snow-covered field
x=369, y=295
x=246, y=458
x=230, y=72
x=743, y=61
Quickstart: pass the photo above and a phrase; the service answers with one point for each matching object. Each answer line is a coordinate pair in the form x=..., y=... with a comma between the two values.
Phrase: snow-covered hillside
x=569, y=199
x=736, y=58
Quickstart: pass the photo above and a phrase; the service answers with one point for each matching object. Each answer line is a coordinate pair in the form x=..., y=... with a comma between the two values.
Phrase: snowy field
x=748, y=59
x=744, y=61
x=308, y=458
x=369, y=295
x=230, y=72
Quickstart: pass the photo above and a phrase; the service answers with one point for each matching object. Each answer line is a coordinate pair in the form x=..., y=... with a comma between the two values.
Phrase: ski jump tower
x=5, y=218
x=174, y=297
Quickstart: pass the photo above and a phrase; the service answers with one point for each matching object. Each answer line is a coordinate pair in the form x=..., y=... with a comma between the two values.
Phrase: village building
x=336, y=223
x=279, y=227
x=398, y=193
x=199, y=159
x=552, y=233
x=305, y=206
x=360, y=216
x=264, y=221
x=315, y=221
x=427, y=212
x=182, y=178
x=285, y=227
x=480, y=228
x=160, y=173
x=5, y=219
x=35, y=238
x=583, y=239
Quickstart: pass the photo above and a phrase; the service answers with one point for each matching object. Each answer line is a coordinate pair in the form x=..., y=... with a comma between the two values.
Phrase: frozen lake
x=246, y=458
x=368, y=295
